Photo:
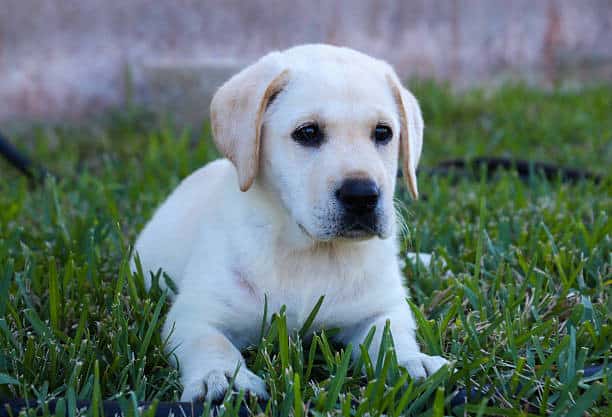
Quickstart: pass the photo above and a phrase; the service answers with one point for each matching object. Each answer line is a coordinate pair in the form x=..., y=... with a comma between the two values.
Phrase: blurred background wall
x=69, y=58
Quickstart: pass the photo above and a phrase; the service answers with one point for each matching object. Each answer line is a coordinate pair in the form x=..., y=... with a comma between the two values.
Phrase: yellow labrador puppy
x=302, y=207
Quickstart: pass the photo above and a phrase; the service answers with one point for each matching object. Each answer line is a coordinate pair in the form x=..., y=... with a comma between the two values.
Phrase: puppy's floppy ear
x=237, y=111
x=411, y=134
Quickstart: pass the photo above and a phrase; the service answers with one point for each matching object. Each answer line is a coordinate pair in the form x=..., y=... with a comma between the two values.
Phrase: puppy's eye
x=382, y=134
x=309, y=134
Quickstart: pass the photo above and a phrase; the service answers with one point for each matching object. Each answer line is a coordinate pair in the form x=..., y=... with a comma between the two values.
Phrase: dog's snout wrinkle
x=358, y=196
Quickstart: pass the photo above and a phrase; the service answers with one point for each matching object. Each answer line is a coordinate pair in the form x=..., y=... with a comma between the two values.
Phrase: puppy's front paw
x=420, y=365
x=214, y=384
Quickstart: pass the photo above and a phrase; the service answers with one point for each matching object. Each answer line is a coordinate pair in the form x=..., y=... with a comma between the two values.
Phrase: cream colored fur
x=263, y=222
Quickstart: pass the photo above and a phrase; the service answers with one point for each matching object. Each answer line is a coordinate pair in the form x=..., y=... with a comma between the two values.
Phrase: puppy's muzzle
x=359, y=198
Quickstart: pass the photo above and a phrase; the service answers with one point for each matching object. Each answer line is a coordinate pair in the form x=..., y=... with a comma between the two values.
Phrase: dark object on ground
x=524, y=169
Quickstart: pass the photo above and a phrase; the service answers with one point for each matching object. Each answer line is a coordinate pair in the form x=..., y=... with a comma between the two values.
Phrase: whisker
x=402, y=212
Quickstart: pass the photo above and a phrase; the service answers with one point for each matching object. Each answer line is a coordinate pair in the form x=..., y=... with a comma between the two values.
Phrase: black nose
x=358, y=196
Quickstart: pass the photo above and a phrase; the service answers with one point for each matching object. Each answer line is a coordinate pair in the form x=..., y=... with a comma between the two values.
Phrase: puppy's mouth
x=358, y=231
x=347, y=226
x=360, y=227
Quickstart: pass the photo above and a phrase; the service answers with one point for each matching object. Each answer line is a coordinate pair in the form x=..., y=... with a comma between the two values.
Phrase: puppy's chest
x=297, y=283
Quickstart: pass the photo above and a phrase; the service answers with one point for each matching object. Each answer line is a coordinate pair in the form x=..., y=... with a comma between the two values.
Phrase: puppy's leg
x=403, y=330
x=208, y=361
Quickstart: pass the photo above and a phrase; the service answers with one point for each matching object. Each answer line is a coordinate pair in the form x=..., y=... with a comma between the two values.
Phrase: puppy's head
x=322, y=127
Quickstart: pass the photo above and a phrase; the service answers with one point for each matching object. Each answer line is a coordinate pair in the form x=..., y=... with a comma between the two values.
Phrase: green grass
x=519, y=297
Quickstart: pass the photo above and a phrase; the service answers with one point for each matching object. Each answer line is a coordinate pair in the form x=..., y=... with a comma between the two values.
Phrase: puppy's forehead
x=346, y=82
x=337, y=84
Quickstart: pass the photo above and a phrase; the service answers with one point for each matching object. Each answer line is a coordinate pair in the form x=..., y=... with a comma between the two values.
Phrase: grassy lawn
x=518, y=297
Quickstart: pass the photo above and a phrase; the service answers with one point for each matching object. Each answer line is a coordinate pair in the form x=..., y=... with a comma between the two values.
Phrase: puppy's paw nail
x=420, y=366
